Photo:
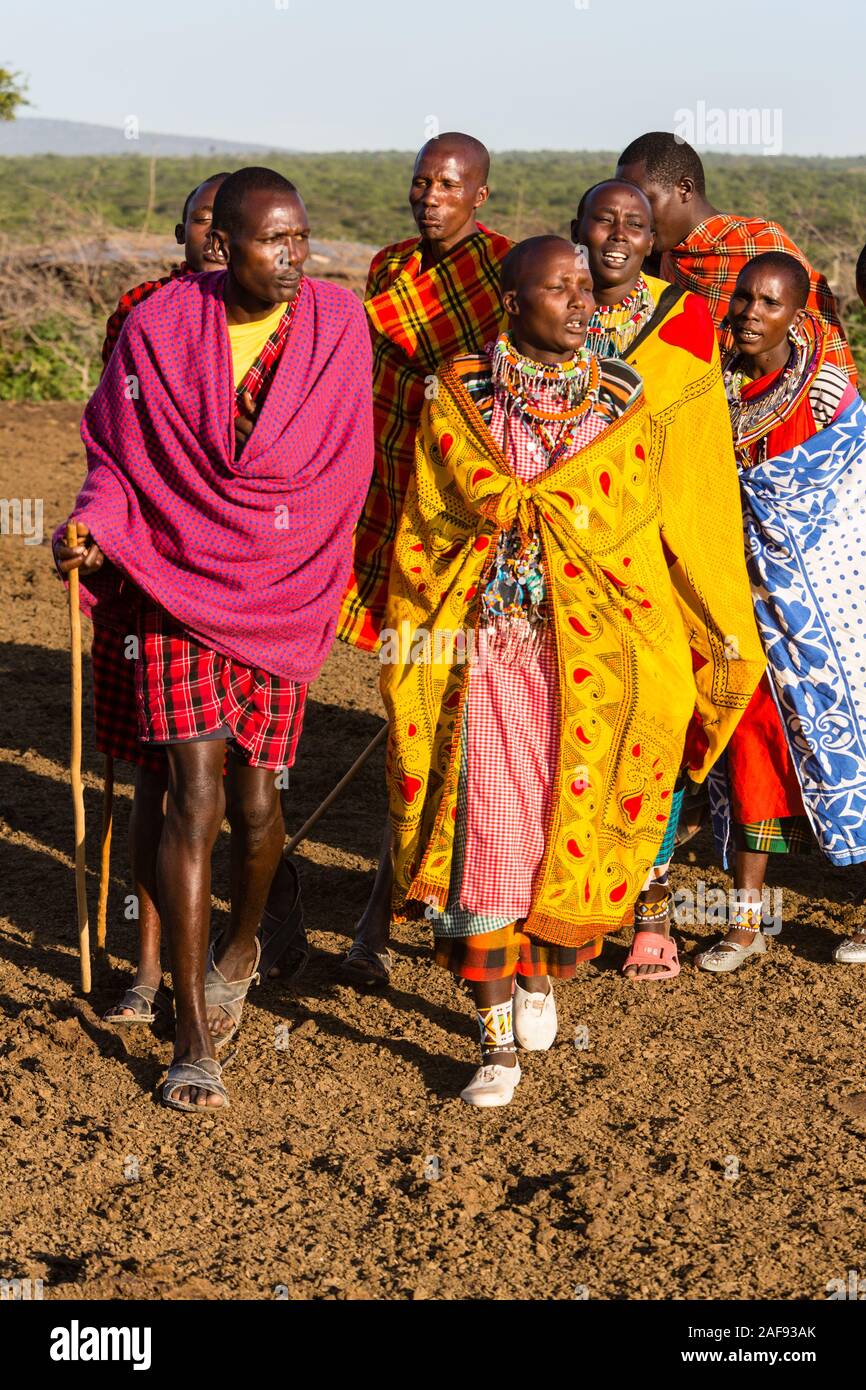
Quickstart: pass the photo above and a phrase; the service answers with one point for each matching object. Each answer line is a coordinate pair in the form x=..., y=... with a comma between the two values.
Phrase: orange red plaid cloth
x=711, y=257
x=498, y=955
x=418, y=320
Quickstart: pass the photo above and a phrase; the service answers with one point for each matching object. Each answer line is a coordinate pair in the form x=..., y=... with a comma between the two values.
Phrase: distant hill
x=29, y=135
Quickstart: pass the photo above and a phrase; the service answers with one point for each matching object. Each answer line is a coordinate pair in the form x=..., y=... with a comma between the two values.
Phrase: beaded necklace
x=576, y=383
x=613, y=327
x=753, y=419
x=514, y=605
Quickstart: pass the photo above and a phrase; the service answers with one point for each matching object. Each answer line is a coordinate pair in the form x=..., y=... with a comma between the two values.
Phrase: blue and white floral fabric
x=805, y=524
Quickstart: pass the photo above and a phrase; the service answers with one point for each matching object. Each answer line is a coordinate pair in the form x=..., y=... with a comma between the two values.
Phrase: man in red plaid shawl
x=704, y=250
x=428, y=299
x=229, y=450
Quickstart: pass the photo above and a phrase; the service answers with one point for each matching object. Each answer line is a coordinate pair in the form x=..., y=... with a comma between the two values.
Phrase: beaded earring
x=797, y=338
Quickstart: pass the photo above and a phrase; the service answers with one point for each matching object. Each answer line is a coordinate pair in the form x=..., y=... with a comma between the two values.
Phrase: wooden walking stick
x=340, y=787
x=105, y=859
x=72, y=536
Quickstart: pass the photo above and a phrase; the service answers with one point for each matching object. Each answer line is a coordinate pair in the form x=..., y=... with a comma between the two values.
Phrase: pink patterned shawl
x=250, y=556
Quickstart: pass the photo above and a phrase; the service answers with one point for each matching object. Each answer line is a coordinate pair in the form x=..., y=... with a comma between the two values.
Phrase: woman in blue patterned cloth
x=796, y=764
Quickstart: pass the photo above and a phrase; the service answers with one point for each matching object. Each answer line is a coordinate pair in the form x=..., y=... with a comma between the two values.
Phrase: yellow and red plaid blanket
x=711, y=257
x=418, y=320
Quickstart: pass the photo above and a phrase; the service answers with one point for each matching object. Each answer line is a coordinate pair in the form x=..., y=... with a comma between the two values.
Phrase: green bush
x=41, y=373
x=363, y=198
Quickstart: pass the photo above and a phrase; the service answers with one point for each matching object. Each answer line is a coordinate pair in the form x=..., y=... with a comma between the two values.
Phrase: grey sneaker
x=730, y=955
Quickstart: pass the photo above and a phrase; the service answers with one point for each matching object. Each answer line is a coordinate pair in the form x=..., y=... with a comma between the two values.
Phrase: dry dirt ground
x=606, y=1176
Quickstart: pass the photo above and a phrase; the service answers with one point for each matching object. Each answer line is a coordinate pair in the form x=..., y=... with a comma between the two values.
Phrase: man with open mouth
x=428, y=299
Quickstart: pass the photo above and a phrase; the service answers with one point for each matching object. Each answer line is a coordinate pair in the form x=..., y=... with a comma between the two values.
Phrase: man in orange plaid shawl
x=428, y=299
x=704, y=250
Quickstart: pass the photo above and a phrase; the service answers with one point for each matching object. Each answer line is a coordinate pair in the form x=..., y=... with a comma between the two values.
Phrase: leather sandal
x=206, y=1074
x=285, y=947
x=365, y=967
x=148, y=1003
x=228, y=995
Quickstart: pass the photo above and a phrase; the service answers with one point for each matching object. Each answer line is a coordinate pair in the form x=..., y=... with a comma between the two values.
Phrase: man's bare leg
x=258, y=835
x=145, y=830
x=374, y=927
x=195, y=807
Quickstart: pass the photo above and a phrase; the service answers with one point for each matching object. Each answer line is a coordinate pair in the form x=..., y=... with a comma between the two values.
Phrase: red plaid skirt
x=497, y=955
x=115, y=710
x=186, y=691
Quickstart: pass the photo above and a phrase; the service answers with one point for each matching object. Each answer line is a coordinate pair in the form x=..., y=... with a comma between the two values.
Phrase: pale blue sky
x=520, y=74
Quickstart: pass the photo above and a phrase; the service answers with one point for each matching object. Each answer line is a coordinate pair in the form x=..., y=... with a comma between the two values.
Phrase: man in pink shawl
x=229, y=449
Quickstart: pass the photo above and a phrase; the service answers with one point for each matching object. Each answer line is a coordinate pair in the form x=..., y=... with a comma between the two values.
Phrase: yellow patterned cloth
x=683, y=388
x=625, y=684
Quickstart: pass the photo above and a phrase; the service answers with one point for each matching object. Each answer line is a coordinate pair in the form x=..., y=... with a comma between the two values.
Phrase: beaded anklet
x=745, y=919
x=496, y=1024
x=652, y=914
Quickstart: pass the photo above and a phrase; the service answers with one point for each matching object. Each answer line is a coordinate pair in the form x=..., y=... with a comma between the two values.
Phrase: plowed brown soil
x=605, y=1178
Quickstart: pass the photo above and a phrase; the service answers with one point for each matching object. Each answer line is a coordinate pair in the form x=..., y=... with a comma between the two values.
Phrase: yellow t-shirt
x=248, y=339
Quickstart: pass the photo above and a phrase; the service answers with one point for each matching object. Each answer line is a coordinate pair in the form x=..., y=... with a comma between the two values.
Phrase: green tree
x=12, y=96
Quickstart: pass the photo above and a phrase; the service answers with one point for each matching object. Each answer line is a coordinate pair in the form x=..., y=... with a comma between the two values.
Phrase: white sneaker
x=534, y=1019
x=850, y=952
x=492, y=1085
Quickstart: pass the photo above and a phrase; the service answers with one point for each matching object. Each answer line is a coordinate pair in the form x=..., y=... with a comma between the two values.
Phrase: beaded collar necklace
x=575, y=383
x=753, y=419
x=613, y=327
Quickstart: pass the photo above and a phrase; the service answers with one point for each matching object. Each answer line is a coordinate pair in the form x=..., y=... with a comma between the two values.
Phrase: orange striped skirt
x=497, y=955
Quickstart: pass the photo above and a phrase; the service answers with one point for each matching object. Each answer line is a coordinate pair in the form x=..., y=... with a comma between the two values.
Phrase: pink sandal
x=651, y=948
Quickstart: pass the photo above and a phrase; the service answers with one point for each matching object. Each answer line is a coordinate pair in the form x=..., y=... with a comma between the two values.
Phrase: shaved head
x=615, y=223
x=474, y=156
x=611, y=186
x=780, y=263
x=530, y=258
x=547, y=293
x=449, y=185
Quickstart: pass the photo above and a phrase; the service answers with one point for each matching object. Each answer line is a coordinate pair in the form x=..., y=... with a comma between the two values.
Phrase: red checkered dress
x=186, y=691
x=115, y=701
